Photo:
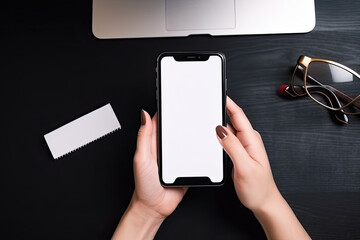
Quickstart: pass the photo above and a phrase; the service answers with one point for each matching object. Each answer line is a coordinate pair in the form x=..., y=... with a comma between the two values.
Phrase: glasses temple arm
x=345, y=98
x=328, y=94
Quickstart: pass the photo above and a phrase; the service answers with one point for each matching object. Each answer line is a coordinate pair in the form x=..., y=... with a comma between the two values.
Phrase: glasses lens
x=333, y=85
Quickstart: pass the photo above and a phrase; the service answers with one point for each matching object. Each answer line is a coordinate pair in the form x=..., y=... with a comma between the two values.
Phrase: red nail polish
x=221, y=132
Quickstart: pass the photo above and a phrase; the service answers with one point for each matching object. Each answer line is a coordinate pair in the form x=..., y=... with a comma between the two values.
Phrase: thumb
x=143, y=146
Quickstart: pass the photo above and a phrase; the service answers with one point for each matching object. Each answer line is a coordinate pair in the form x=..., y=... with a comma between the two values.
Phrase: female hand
x=253, y=180
x=151, y=203
x=158, y=201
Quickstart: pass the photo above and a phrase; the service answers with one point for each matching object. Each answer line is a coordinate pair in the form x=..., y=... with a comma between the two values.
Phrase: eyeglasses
x=330, y=84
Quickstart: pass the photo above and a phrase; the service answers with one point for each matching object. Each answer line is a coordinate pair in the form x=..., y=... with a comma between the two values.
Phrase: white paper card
x=82, y=131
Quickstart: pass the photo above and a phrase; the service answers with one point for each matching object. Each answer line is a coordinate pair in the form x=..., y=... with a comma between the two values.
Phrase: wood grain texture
x=53, y=70
x=328, y=215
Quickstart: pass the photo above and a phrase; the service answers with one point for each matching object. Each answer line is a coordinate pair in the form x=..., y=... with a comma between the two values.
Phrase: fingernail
x=221, y=132
x=143, y=118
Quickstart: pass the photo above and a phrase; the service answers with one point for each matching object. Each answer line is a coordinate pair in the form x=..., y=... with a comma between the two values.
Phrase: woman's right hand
x=253, y=179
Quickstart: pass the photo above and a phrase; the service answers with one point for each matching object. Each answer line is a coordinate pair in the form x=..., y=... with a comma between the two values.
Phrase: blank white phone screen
x=191, y=108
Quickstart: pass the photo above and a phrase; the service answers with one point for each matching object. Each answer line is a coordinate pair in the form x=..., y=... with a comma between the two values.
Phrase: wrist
x=273, y=201
x=278, y=220
x=138, y=222
x=139, y=209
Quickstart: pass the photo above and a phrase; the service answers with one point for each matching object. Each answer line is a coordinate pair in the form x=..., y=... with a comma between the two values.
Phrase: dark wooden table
x=54, y=70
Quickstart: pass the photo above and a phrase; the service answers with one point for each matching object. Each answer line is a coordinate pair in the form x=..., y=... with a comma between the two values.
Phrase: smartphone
x=191, y=98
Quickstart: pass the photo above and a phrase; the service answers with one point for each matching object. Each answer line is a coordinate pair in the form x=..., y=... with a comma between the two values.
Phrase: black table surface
x=54, y=70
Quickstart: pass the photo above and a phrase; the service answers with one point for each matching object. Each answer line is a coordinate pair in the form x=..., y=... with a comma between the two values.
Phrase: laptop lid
x=174, y=18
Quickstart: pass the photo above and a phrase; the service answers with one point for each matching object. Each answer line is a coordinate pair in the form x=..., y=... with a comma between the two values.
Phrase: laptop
x=175, y=18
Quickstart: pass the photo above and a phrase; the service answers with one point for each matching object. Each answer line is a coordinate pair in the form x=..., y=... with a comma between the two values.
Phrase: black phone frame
x=189, y=56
